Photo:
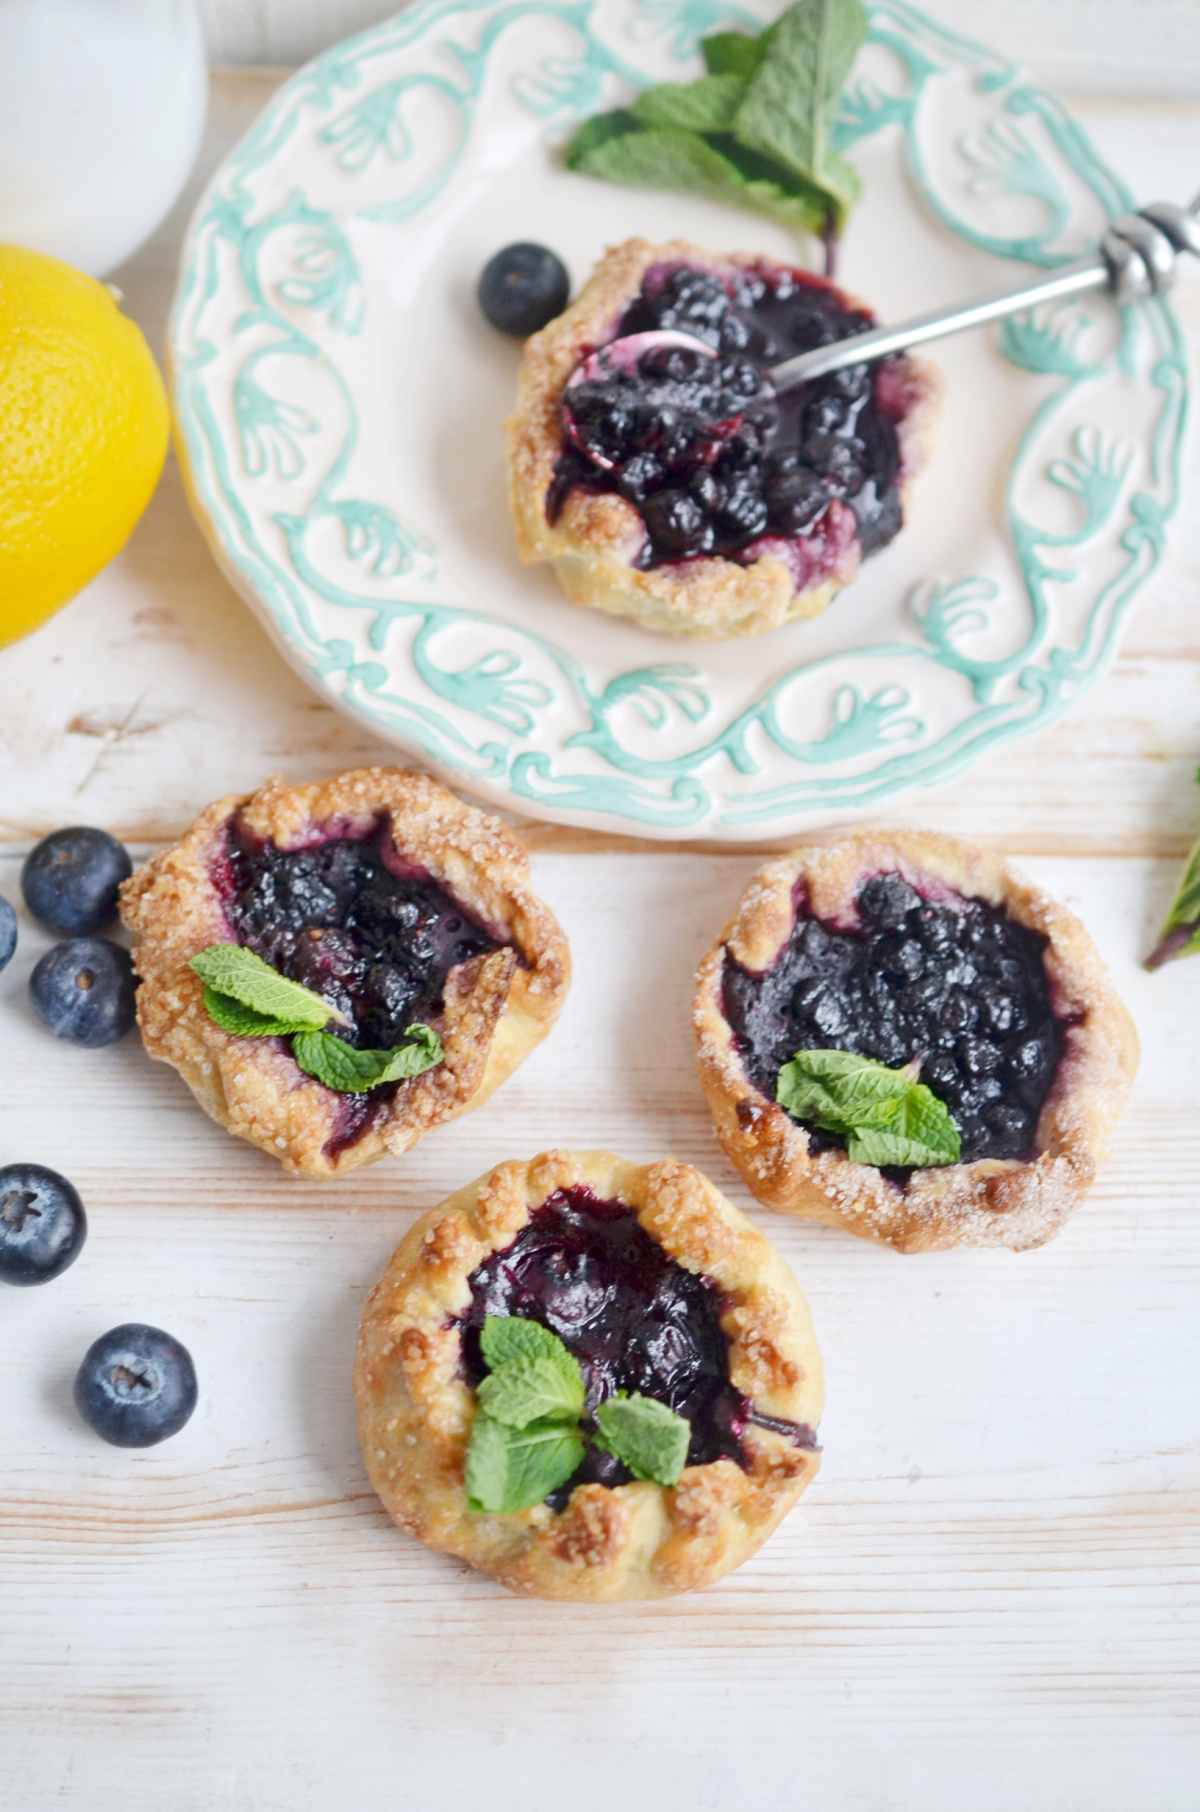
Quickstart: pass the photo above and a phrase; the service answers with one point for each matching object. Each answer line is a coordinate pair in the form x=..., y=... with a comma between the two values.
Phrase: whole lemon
x=83, y=434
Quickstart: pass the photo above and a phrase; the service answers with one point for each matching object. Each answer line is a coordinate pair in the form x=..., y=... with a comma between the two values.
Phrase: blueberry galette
x=900, y=1035
x=334, y=969
x=592, y=1379
x=650, y=460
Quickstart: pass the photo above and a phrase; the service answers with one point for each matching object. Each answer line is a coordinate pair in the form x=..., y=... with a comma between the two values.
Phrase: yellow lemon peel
x=83, y=434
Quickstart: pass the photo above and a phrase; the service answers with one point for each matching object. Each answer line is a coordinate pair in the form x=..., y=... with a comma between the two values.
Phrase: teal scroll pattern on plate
x=271, y=269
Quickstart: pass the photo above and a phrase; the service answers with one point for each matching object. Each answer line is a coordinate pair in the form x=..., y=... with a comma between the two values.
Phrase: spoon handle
x=1137, y=258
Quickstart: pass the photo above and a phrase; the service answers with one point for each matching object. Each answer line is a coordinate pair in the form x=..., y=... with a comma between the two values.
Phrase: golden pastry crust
x=597, y=535
x=992, y=1202
x=496, y=1010
x=640, y=1540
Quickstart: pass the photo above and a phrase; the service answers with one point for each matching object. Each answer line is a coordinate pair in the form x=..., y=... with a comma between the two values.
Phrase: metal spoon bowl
x=1137, y=258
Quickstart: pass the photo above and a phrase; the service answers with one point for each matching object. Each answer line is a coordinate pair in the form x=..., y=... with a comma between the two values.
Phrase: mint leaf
x=245, y=1022
x=1180, y=935
x=670, y=158
x=754, y=132
x=735, y=53
x=887, y=1116
x=534, y=1390
x=238, y=973
x=792, y=99
x=647, y=1436
x=512, y=1469
x=505, y=1337
x=840, y=1090
x=706, y=105
x=596, y=131
x=918, y=1132
x=245, y=996
x=351, y=1072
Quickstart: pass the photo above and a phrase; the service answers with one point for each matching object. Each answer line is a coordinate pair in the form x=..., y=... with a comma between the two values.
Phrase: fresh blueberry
x=84, y=989
x=641, y=474
x=42, y=1224
x=70, y=880
x=136, y=1386
x=8, y=932
x=707, y=489
x=885, y=901
x=736, y=334
x=838, y=459
x=742, y=515
x=795, y=499
x=523, y=287
x=677, y=523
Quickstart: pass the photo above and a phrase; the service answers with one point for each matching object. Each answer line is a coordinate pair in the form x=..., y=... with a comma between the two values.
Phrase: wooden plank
x=989, y=1597
x=994, y=1578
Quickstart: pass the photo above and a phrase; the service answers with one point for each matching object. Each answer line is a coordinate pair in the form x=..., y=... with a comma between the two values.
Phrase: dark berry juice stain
x=375, y=940
x=960, y=985
x=712, y=460
x=634, y=1319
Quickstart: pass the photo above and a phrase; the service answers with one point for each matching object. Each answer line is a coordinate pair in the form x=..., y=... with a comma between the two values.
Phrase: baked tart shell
x=596, y=535
x=496, y=1008
x=992, y=1202
x=633, y=1541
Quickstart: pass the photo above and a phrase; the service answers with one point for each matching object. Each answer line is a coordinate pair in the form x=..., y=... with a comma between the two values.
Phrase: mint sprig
x=791, y=102
x=756, y=131
x=505, y=1337
x=533, y=1390
x=245, y=996
x=886, y=1116
x=350, y=1071
x=1180, y=935
x=234, y=972
x=232, y=1015
x=528, y=1434
x=514, y=1468
x=650, y=1438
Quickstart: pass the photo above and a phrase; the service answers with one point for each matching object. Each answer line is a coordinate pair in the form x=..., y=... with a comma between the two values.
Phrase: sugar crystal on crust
x=494, y=1007
x=1015, y=1203
x=628, y=1540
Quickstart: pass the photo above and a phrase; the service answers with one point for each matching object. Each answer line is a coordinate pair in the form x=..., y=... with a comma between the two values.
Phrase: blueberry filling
x=347, y=919
x=634, y=1318
x=959, y=985
x=712, y=460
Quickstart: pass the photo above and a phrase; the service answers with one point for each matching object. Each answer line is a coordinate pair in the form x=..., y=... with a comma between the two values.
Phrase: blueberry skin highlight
x=136, y=1386
x=8, y=932
x=42, y=1224
x=71, y=878
x=523, y=287
x=85, y=991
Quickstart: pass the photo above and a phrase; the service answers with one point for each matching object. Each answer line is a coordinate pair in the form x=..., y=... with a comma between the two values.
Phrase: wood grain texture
x=993, y=1584
x=990, y=1597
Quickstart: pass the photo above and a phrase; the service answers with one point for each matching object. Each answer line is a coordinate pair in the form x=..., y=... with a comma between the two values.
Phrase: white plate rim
x=497, y=758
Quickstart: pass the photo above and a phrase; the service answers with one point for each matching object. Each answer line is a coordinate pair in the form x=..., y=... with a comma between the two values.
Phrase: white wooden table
x=988, y=1599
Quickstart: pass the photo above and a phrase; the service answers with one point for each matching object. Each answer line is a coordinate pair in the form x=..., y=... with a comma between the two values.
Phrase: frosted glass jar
x=101, y=109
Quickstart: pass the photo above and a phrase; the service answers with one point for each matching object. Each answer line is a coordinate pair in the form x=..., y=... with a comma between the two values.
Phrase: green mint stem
x=1170, y=946
x=829, y=239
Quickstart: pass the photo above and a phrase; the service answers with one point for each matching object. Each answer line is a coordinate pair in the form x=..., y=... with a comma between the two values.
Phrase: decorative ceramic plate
x=339, y=399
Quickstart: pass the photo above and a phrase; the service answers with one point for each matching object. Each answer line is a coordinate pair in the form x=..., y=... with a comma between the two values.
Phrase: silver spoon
x=1137, y=258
